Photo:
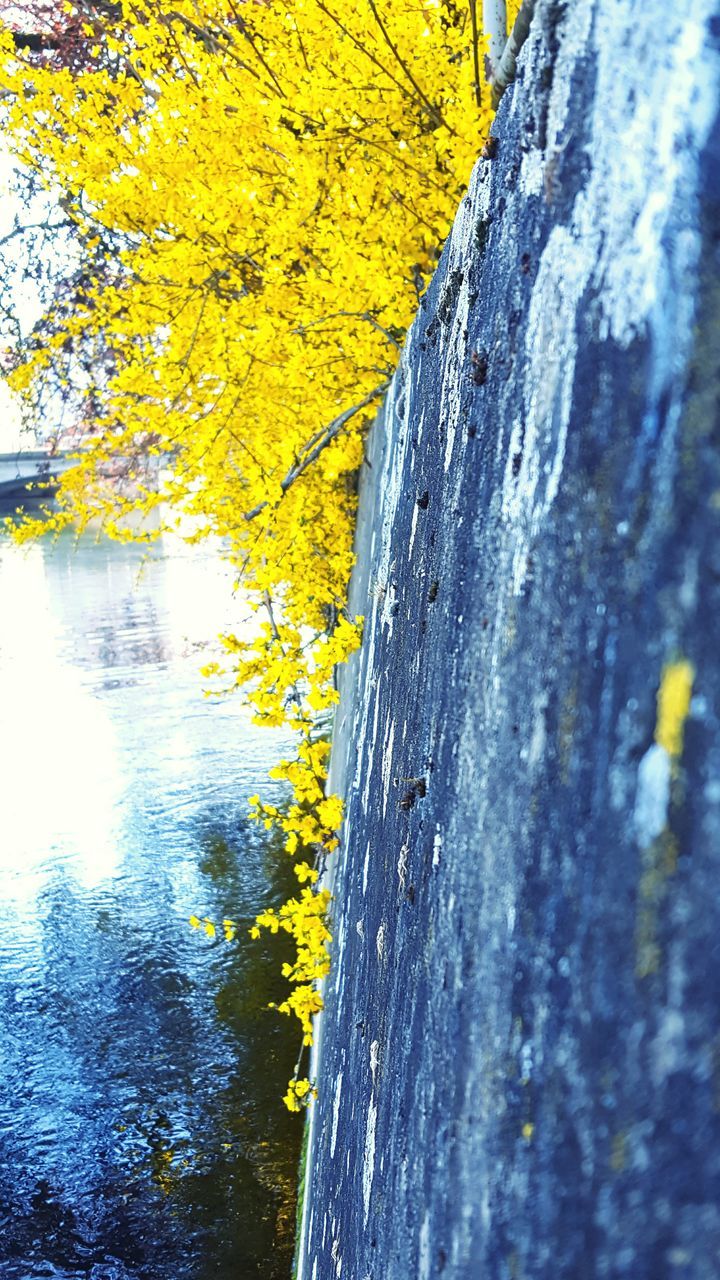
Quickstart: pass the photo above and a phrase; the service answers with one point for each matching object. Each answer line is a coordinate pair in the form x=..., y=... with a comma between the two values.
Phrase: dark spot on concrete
x=479, y=361
x=432, y=331
x=449, y=296
x=482, y=231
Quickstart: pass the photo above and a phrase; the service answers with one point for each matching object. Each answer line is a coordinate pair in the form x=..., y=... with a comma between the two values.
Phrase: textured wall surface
x=520, y=1057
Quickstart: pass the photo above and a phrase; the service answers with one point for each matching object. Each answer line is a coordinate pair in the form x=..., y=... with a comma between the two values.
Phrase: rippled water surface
x=141, y=1131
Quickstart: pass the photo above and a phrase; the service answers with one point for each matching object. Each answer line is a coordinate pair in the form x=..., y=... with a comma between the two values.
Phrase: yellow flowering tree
x=252, y=196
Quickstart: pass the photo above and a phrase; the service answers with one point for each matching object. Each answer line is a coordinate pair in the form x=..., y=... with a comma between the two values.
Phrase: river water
x=142, y=1134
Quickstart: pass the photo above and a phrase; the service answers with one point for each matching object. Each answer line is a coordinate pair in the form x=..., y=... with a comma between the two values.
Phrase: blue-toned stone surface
x=520, y=1057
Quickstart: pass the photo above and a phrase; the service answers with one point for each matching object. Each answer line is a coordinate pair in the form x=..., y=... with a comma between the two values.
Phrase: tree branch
x=476, y=53
x=367, y=52
x=495, y=28
x=326, y=437
x=506, y=69
x=302, y=329
x=433, y=110
x=22, y=228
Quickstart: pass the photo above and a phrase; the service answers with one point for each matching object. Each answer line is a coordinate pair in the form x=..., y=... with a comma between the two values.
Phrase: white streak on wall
x=335, y=1113
x=531, y=173
x=652, y=798
x=403, y=865
x=437, y=847
x=374, y=1059
x=424, y=1249
x=369, y=1156
x=373, y=739
x=413, y=527
x=387, y=761
x=338, y=953
x=530, y=486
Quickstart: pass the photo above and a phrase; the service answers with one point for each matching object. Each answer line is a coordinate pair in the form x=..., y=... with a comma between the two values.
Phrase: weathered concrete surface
x=520, y=1058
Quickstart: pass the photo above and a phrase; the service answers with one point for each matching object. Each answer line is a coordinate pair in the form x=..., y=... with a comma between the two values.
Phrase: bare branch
x=21, y=228
x=495, y=28
x=433, y=110
x=476, y=52
x=351, y=315
x=507, y=66
x=326, y=437
x=368, y=52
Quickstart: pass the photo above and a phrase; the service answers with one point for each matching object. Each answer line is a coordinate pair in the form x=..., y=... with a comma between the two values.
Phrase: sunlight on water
x=61, y=766
x=61, y=776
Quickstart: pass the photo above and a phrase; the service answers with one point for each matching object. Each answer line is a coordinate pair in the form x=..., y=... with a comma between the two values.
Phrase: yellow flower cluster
x=304, y=918
x=313, y=818
x=210, y=929
x=299, y=1094
x=287, y=675
x=258, y=194
x=310, y=824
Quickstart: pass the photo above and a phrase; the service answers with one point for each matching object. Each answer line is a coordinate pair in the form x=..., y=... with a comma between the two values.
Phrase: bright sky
x=10, y=435
x=9, y=415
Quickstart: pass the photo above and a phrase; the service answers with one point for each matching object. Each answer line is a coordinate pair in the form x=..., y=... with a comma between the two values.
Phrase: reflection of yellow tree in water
x=163, y=1174
x=253, y=1128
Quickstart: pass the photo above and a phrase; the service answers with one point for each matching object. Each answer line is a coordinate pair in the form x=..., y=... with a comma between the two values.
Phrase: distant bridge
x=20, y=470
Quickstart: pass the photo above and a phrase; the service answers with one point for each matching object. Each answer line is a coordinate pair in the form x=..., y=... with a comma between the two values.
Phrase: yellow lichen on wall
x=659, y=859
x=673, y=705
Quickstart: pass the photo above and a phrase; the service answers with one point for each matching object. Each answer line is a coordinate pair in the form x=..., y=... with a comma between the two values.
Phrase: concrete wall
x=520, y=1058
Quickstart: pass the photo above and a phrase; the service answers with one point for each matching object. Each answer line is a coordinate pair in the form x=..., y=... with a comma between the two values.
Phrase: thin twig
x=394, y=155
x=368, y=53
x=35, y=226
x=476, y=52
x=350, y=315
x=435, y=112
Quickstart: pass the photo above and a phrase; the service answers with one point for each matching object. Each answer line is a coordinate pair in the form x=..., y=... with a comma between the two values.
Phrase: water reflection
x=140, y=1070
